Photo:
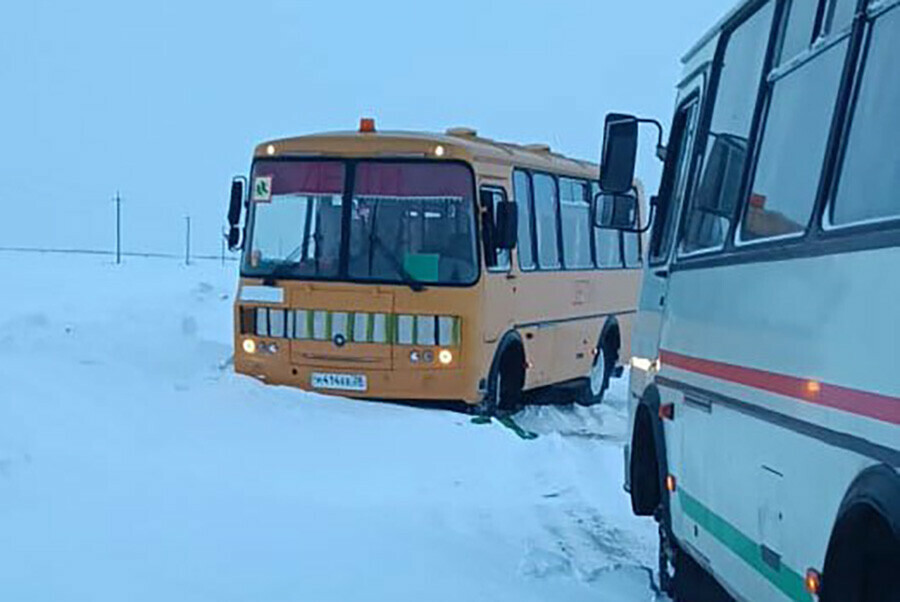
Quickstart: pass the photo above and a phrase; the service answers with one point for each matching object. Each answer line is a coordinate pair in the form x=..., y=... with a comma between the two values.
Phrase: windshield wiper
x=417, y=286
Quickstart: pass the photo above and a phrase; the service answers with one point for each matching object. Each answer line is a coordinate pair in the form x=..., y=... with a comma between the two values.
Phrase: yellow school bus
x=428, y=267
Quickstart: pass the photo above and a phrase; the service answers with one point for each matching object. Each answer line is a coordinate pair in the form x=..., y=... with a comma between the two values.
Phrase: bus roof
x=457, y=143
x=718, y=27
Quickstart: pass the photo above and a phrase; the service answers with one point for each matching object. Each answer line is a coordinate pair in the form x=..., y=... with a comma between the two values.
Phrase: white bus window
x=607, y=249
x=522, y=191
x=793, y=147
x=870, y=178
x=715, y=198
x=576, y=223
x=546, y=203
x=842, y=14
x=798, y=30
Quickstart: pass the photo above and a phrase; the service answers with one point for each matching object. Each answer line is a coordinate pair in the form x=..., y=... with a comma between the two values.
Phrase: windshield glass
x=415, y=219
x=296, y=218
x=410, y=222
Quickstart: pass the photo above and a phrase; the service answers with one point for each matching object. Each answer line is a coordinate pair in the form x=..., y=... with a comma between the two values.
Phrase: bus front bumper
x=438, y=384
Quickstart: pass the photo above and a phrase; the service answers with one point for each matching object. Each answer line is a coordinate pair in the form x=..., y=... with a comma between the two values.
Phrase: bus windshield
x=409, y=222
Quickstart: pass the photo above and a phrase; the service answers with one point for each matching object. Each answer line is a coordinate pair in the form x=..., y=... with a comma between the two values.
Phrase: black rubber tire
x=646, y=493
x=508, y=374
x=862, y=563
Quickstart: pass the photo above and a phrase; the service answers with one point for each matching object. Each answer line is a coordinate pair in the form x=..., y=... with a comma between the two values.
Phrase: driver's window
x=674, y=180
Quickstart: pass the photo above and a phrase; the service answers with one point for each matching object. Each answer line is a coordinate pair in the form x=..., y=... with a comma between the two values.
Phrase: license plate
x=341, y=382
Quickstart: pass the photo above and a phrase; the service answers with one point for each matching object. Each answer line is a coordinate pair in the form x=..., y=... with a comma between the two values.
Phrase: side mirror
x=235, y=205
x=616, y=211
x=620, y=139
x=507, y=229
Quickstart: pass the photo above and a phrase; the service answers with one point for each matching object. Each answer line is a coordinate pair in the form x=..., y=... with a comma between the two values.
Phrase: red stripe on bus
x=864, y=403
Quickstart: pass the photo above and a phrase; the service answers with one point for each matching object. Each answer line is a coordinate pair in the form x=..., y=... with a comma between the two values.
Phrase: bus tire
x=606, y=354
x=644, y=469
x=864, y=549
x=505, y=380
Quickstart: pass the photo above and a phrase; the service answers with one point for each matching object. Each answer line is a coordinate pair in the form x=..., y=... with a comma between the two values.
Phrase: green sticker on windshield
x=422, y=266
x=262, y=189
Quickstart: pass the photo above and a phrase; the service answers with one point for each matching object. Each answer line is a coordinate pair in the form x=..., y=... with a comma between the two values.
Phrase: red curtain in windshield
x=412, y=180
x=293, y=177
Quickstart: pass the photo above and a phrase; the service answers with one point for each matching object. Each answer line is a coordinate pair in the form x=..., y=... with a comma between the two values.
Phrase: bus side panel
x=761, y=491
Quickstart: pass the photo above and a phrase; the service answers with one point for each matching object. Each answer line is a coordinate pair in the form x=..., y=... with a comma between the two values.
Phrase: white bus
x=765, y=382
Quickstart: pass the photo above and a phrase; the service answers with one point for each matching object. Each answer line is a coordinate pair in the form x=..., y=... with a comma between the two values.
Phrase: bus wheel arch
x=865, y=541
x=506, y=378
x=648, y=456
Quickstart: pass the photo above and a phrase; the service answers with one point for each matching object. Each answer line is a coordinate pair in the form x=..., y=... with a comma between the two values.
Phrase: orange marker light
x=813, y=581
x=670, y=483
x=813, y=387
x=367, y=125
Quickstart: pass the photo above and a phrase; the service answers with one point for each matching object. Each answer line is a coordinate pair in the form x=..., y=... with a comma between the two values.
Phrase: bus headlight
x=445, y=356
x=414, y=356
x=249, y=346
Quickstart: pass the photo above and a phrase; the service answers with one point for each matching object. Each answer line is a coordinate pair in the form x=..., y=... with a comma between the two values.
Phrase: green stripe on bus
x=415, y=329
x=328, y=318
x=788, y=581
x=370, y=327
x=351, y=323
x=310, y=324
x=456, y=331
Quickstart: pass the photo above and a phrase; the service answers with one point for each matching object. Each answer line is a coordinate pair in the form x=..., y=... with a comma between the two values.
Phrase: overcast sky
x=164, y=100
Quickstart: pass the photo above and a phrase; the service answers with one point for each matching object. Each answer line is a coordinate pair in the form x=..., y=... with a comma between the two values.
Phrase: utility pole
x=187, y=241
x=118, y=200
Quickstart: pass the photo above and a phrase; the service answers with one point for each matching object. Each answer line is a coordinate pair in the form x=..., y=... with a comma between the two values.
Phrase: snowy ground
x=135, y=465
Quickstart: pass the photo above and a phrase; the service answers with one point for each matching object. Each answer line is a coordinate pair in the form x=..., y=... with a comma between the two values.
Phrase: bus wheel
x=862, y=559
x=645, y=478
x=504, y=395
x=601, y=371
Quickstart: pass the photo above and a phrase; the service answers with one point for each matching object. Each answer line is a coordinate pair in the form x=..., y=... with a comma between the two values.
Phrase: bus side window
x=575, y=212
x=792, y=147
x=546, y=209
x=870, y=176
x=607, y=250
x=525, y=244
x=499, y=258
x=715, y=198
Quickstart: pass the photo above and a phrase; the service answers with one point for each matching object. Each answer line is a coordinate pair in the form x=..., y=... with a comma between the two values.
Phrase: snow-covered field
x=135, y=465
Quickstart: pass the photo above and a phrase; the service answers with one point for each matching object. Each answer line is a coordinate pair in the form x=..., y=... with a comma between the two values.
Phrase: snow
x=135, y=465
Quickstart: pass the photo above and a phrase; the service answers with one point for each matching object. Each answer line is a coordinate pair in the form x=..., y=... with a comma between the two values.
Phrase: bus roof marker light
x=439, y=150
x=270, y=150
x=366, y=125
x=813, y=581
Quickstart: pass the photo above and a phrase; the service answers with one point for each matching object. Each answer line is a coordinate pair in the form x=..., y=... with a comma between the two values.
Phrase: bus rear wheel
x=862, y=560
x=602, y=368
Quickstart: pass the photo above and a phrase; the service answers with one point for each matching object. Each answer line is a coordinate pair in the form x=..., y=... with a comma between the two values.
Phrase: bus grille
x=359, y=327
